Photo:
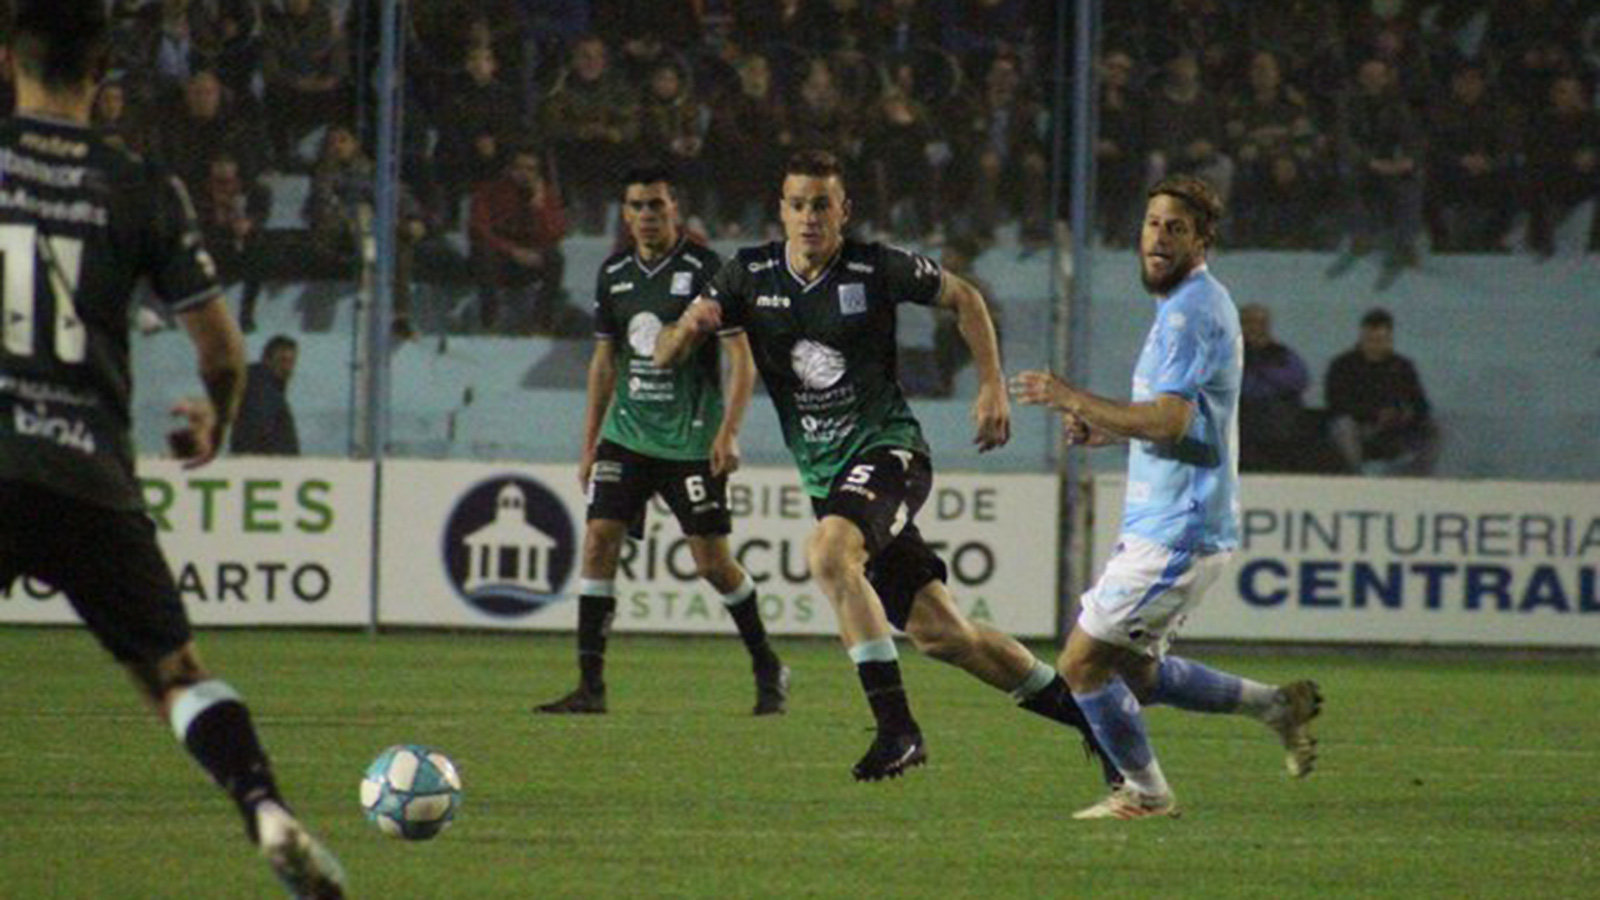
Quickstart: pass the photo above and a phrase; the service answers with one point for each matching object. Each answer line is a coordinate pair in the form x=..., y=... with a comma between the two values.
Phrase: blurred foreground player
x=80, y=224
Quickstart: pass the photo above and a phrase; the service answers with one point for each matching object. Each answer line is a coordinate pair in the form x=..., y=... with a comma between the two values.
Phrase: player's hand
x=991, y=414
x=702, y=317
x=1036, y=388
x=724, y=455
x=199, y=439
x=585, y=469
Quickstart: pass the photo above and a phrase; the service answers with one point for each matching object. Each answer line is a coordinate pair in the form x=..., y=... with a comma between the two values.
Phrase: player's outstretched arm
x=739, y=382
x=219, y=347
x=678, y=340
x=602, y=383
x=991, y=411
x=1163, y=420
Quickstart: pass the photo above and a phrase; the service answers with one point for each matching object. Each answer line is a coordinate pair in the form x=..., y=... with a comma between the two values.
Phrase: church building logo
x=509, y=547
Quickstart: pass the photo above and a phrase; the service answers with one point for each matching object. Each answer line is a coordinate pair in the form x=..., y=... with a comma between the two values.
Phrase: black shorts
x=880, y=492
x=106, y=562
x=623, y=481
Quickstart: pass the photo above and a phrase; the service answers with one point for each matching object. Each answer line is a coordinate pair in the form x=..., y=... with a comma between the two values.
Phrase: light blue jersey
x=1185, y=495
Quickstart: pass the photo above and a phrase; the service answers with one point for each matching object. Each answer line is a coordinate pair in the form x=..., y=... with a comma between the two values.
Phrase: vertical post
x=386, y=200
x=1070, y=313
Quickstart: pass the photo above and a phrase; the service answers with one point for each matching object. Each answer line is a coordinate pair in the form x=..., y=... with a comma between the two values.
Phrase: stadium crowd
x=1357, y=126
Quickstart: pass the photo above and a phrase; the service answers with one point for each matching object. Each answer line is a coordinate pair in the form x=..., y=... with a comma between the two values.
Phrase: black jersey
x=665, y=412
x=826, y=348
x=81, y=224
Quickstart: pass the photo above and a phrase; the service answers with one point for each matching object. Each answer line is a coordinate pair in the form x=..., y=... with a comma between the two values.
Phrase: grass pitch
x=1470, y=778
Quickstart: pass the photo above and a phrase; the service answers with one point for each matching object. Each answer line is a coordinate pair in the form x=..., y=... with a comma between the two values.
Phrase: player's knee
x=602, y=542
x=833, y=557
x=943, y=639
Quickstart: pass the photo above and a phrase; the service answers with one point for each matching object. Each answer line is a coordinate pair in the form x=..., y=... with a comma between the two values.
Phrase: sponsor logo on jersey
x=682, y=284
x=772, y=301
x=509, y=547
x=762, y=266
x=852, y=299
x=818, y=366
x=643, y=330
x=74, y=434
x=863, y=268
x=621, y=287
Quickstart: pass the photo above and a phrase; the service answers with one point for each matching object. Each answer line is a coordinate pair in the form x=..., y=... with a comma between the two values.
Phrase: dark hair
x=278, y=342
x=1378, y=318
x=1199, y=196
x=60, y=43
x=814, y=164
x=649, y=173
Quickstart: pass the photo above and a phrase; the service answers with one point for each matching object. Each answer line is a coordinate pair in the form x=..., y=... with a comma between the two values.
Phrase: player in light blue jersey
x=1181, y=519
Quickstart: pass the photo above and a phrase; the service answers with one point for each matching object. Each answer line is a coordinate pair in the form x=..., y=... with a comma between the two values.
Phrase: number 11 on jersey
x=20, y=249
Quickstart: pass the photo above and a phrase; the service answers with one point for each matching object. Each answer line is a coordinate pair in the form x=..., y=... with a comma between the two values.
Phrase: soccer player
x=80, y=224
x=1180, y=523
x=819, y=312
x=654, y=430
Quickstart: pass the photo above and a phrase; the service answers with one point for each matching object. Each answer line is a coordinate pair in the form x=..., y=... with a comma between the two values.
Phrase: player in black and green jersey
x=660, y=430
x=818, y=312
x=81, y=223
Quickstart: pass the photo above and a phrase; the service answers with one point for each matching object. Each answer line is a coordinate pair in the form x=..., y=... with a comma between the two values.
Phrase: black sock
x=222, y=739
x=1054, y=701
x=747, y=615
x=887, y=696
x=594, y=625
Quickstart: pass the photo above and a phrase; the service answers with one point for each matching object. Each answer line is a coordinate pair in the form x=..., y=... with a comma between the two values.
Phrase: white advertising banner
x=1400, y=561
x=498, y=545
x=251, y=542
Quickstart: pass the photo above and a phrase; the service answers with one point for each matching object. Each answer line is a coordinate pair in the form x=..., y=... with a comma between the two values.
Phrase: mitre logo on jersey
x=852, y=299
x=509, y=547
x=818, y=366
x=643, y=329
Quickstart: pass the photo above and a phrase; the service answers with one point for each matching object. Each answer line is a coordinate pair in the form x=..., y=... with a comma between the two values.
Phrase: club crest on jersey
x=852, y=299
x=682, y=284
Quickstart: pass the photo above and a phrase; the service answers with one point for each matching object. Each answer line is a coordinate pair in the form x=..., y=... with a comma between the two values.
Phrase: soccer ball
x=411, y=792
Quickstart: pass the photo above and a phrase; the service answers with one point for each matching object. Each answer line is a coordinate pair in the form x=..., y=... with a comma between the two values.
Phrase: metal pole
x=1071, y=313
x=386, y=199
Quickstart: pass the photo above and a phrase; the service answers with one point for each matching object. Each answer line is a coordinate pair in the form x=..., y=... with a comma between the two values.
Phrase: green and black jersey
x=668, y=412
x=826, y=348
x=81, y=223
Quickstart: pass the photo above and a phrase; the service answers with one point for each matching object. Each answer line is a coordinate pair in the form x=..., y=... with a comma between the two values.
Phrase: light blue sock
x=1114, y=714
x=1187, y=684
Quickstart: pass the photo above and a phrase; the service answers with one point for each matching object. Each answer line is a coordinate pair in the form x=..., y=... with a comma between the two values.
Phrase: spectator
x=265, y=424
x=232, y=210
x=1379, y=414
x=1472, y=151
x=113, y=119
x=516, y=229
x=1002, y=157
x=901, y=149
x=227, y=41
x=339, y=212
x=821, y=119
x=1120, y=150
x=1563, y=161
x=1276, y=148
x=672, y=125
x=591, y=118
x=749, y=131
x=203, y=127
x=1185, y=128
x=306, y=69
x=1273, y=423
x=1381, y=161
x=481, y=115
